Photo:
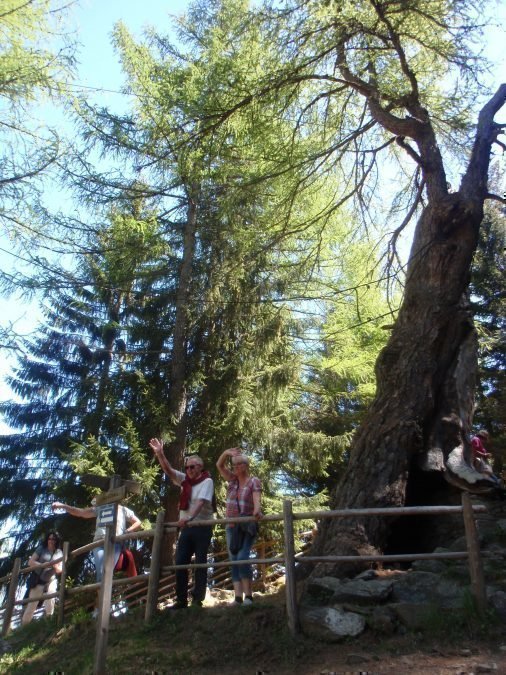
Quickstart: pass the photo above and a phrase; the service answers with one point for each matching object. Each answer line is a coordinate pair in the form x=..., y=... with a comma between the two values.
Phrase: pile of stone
x=394, y=601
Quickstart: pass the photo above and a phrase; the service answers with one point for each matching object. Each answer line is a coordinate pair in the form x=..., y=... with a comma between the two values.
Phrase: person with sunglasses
x=195, y=504
x=46, y=580
x=243, y=499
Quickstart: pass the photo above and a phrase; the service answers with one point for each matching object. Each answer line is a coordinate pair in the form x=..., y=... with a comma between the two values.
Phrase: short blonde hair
x=239, y=459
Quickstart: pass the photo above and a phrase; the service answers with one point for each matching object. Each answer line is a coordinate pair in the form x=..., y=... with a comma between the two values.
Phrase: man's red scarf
x=186, y=489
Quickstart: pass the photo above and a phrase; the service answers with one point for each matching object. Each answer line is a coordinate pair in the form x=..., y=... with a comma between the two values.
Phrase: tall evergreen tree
x=244, y=254
x=227, y=341
x=76, y=401
x=488, y=297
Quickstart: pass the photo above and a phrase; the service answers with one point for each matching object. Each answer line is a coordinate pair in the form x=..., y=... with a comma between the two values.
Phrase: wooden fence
x=156, y=585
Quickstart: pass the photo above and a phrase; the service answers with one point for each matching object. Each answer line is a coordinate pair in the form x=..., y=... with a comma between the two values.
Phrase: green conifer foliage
x=78, y=399
x=488, y=295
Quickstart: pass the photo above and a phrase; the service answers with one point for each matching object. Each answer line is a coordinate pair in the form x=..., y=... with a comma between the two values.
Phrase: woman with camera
x=243, y=499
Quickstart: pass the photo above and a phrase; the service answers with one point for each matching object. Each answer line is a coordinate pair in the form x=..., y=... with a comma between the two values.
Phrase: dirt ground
x=369, y=654
x=397, y=657
x=463, y=661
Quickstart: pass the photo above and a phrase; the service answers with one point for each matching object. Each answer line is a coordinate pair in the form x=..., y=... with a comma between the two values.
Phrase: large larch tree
x=395, y=82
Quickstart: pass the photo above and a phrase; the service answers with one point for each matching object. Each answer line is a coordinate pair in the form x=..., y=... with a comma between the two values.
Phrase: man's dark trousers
x=192, y=540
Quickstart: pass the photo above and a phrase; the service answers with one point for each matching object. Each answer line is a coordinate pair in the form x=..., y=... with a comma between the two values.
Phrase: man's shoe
x=179, y=605
x=196, y=603
x=247, y=601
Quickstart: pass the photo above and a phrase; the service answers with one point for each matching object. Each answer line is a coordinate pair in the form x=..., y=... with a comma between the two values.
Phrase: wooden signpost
x=107, y=516
x=113, y=495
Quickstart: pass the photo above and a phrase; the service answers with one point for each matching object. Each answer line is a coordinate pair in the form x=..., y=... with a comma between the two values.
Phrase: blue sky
x=93, y=21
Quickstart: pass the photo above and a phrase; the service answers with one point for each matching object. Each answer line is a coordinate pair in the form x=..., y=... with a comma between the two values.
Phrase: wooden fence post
x=263, y=568
x=290, y=585
x=63, y=579
x=473, y=549
x=11, y=597
x=104, y=603
x=154, y=568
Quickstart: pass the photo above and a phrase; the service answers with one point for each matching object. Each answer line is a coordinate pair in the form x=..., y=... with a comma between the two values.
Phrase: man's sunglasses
x=192, y=466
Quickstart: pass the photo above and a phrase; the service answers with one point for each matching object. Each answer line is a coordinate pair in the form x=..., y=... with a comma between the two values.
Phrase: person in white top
x=126, y=521
x=195, y=504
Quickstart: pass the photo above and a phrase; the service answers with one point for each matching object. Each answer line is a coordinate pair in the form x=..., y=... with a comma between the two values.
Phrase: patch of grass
x=461, y=623
x=225, y=640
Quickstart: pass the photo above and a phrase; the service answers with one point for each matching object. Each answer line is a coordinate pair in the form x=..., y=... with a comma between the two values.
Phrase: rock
x=412, y=615
x=357, y=591
x=434, y=566
x=363, y=592
x=410, y=600
x=331, y=624
x=428, y=588
x=485, y=667
x=415, y=587
x=322, y=589
x=355, y=659
x=382, y=620
x=459, y=545
x=367, y=575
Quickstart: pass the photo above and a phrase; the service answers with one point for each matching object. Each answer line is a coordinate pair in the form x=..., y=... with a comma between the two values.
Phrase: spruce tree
x=488, y=296
x=77, y=396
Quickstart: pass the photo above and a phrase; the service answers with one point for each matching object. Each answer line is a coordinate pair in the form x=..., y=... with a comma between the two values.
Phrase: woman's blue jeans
x=240, y=571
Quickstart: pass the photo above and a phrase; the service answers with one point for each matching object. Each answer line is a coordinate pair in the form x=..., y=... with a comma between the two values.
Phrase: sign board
x=105, y=515
x=101, y=482
x=111, y=496
x=104, y=482
x=132, y=486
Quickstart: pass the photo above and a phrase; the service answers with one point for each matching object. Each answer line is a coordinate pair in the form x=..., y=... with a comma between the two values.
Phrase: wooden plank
x=390, y=511
x=154, y=569
x=104, y=603
x=132, y=486
x=11, y=597
x=111, y=496
x=290, y=583
x=92, y=479
x=63, y=579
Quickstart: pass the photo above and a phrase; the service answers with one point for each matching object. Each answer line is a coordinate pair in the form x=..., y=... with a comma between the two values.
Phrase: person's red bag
x=126, y=563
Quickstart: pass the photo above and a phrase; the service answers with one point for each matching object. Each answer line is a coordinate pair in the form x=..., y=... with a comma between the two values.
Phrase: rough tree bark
x=419, y=422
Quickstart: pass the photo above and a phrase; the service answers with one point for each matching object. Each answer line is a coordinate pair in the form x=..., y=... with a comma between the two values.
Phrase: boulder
x=355, y=591
x=331, y=624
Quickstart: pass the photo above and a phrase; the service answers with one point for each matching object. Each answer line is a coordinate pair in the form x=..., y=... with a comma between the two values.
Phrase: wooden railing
x=131, y=591
x=160, y=583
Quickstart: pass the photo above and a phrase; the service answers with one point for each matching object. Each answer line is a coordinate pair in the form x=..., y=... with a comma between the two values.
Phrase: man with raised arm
x=195, y=504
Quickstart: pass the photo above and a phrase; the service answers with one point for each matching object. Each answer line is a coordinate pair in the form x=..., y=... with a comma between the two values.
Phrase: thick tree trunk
x=177, y=391
x=419, y=422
